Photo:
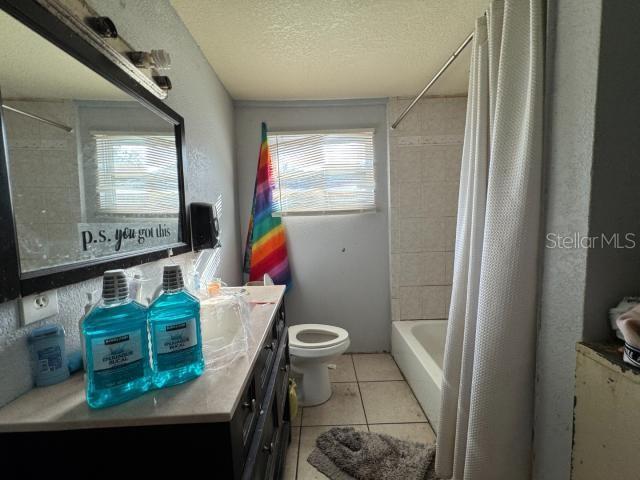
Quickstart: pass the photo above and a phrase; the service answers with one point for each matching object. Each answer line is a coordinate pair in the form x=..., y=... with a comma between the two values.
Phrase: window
x=136, y=174
x=322, y=172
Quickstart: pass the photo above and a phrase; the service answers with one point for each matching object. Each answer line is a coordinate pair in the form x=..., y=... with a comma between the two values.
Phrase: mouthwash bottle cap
x=172, y=278
x=115, y=288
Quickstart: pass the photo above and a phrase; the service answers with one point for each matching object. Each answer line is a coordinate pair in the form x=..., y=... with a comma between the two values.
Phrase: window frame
x=325, y=212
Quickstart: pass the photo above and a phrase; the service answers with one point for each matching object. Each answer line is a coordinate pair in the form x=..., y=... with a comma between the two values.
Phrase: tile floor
x=370, y=394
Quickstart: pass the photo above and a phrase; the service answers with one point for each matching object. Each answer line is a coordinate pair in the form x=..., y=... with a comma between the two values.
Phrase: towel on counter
x=266, y=249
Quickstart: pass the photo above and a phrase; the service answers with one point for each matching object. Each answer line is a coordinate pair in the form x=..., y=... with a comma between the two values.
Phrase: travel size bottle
x=174, y=323
x=117, y=345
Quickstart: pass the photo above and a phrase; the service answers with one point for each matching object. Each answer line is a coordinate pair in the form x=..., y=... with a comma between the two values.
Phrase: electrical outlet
x=39, y=306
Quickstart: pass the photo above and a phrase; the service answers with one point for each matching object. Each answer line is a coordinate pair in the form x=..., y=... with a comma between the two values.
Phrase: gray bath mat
x=343, y=453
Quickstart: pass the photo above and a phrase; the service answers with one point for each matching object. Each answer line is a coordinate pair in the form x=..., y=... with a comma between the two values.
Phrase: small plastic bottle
x=48, y=355
x=174, y=323
x=117, y=347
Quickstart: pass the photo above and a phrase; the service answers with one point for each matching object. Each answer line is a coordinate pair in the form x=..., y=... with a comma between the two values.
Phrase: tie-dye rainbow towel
x=266, y=250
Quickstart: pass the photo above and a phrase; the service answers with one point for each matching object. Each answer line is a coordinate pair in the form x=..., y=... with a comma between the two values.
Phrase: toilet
x=312, y=347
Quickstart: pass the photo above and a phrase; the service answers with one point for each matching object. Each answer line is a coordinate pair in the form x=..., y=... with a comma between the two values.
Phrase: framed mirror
x=91, y=162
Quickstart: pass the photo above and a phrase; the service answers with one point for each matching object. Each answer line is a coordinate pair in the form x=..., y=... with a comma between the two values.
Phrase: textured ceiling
x=329, y=49
x=31, y=67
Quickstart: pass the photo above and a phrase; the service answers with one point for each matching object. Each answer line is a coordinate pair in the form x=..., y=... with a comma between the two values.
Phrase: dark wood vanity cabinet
x=251, y=445
x=261, y=426
x=259, y=432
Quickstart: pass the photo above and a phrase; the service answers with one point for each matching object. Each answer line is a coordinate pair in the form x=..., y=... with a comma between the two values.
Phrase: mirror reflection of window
x=136, y=174
x=94, y=173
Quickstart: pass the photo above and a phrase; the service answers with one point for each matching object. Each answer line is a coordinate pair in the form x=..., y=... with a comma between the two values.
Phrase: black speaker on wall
x=204, y=226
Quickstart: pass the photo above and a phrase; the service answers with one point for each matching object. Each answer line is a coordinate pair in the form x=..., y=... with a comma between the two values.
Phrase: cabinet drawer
x=267, y=458
x=244, y=423
x=264, y=364
x=282, y=385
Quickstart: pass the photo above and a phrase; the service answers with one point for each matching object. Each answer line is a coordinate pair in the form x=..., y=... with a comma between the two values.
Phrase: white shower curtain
x=485, y=428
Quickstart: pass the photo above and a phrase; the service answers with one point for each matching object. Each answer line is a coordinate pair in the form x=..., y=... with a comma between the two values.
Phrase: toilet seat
x=340, y=335
x=310, y=358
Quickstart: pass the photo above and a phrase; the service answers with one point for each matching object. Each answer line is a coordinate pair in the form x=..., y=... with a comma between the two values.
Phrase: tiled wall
x=425, y=156
x=44, y=178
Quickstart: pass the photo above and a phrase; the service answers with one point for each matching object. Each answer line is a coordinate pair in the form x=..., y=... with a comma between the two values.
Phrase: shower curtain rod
x=433, y=80
x=40, y=119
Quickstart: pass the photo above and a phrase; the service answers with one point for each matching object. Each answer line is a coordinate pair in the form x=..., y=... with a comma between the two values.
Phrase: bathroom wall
x=592, y=143
x=572, y=65
x=339, y=262
x=425, y=153
x=207, y=108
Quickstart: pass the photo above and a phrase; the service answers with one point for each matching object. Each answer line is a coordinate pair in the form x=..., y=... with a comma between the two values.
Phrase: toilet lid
x=334, y=335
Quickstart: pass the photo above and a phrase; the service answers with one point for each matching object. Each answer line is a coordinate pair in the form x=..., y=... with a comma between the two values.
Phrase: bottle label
x=117, y=359
x=176, y=344
x=49, y=359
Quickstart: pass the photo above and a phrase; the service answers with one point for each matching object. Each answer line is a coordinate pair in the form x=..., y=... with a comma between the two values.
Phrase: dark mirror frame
x=14, y=283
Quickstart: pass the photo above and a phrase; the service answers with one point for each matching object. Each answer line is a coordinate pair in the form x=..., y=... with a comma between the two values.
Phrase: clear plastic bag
x=224, y=320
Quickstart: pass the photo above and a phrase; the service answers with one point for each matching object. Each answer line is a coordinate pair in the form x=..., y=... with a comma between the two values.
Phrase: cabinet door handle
x=251, y=405
x=269, y=346
x=268, y=447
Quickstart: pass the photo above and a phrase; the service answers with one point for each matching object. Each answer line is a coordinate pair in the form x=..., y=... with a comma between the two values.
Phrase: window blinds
x=322, y=172
x=136, y=174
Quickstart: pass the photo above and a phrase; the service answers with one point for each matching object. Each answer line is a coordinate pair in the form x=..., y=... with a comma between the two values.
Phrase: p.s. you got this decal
x=102, y=238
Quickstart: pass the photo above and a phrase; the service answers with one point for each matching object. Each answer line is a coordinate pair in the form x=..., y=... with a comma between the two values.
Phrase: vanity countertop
x=212, y=397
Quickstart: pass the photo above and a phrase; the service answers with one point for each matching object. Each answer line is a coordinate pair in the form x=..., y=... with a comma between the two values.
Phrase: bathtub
x=418, y=348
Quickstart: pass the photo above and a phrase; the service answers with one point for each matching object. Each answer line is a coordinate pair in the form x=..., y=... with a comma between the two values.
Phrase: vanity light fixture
x=103, y=26
x=163, y=82
x=101, y=33
x=158, y=59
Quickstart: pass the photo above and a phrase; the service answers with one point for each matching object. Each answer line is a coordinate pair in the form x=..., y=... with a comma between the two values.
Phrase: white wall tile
x=448, y=267
x=440, y=199
x=60, y=168
x=412, y=269
x=417, y=140
x=452, y=162
x=433, y=164
x=394, y=230
x=32, y=239
x=28, y=205
x=410, y=203
x=64, y=243
x=395, y=309
x=410, y=124
x=434, y=234
x=407, y=165
x=411, y=235
x=450, y=233
x=427, y=268
x=411, y=300
x=425, y=161
x=394, y=269
x=434, y=302
x=435, y=266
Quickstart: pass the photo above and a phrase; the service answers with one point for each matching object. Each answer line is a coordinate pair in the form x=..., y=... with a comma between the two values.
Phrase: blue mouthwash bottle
x=174, y=323
x=117, y=346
